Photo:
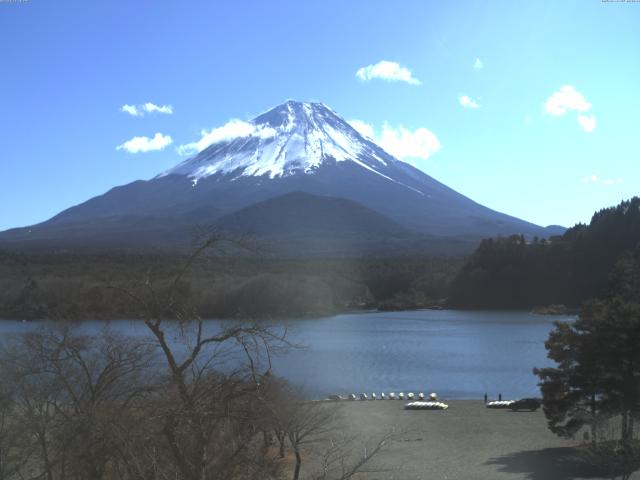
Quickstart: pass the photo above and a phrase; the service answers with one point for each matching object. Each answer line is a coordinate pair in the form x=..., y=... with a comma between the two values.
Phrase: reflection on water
x=458, y=354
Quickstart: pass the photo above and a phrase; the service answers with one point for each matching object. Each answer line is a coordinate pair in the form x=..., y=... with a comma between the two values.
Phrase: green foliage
x=514, y=273
x=597, y=376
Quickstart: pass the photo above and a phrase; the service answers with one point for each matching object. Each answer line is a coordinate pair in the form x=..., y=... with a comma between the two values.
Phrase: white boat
x=426, y=406
x=499, y=404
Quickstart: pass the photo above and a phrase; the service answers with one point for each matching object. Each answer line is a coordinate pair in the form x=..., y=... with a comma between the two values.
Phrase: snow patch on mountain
x=291, y=138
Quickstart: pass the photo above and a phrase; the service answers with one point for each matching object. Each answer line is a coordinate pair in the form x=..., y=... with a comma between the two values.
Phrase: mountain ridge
x=292, y=137
x=294, y=147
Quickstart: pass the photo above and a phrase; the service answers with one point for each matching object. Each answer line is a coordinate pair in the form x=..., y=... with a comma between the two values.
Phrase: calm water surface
x=458, y=354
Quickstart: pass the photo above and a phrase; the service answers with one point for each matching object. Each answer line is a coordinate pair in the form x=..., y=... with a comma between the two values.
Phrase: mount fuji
x=298, y=172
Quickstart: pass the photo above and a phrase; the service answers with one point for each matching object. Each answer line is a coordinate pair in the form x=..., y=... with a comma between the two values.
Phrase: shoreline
x=467, y=441
x=304, y=317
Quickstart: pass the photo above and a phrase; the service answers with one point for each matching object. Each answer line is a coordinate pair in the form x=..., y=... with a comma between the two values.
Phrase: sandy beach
x=466, y=442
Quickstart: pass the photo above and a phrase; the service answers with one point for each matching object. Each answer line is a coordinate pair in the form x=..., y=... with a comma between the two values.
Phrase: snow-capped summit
x=295, y=137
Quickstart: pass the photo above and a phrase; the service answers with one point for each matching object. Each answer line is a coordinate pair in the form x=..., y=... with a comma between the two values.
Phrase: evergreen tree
x=597, y=378
x=569, y=269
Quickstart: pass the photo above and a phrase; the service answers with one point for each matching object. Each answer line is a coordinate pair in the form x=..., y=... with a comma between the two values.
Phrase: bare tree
x=275, y=396
x=214, y=373
x=314, y=430
x=191, y=400
x=340, y=461
x=14, y=450
x=309, y=423
x=70, y=391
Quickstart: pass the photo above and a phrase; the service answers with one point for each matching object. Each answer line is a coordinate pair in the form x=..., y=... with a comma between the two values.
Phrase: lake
x=458, y=354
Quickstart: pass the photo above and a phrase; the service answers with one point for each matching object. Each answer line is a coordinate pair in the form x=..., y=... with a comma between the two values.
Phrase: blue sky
x=497, y=134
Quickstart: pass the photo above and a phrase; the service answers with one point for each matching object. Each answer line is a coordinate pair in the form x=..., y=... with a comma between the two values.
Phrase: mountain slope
x=303, y=214
x=299, y=224
x=295, y=147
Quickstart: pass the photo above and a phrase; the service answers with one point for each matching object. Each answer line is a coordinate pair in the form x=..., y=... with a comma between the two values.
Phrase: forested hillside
x=93, y=286
x=568, y=269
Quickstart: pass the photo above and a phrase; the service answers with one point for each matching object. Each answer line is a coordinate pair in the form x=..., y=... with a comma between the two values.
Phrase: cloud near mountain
x=146, y=144
x=389, y=71
x=401, y=142
x=232, y=129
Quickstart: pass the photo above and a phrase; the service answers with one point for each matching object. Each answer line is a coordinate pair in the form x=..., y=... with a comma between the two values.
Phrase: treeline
x=569, y=269
x=67, y=286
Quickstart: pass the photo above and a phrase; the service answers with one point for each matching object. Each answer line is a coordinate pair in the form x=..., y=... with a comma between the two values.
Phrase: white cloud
x=401, y=142
x=587, y=122
x=363, y=128
x=151, y=108
x=612, y=181
x=229, y=131
x=389, y=71
x=146, y=144
x=468, y=102
x=478, y=65
x=569, y=99
x=565, y=99
x=139, y=110
x=593, y=178
x=131, y=110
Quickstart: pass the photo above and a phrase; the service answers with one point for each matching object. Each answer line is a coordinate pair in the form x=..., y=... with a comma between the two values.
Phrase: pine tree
x=597, y=377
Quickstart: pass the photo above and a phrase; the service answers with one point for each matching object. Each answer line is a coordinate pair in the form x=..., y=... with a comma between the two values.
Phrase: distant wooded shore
x=545, y=276
x=76, y=287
